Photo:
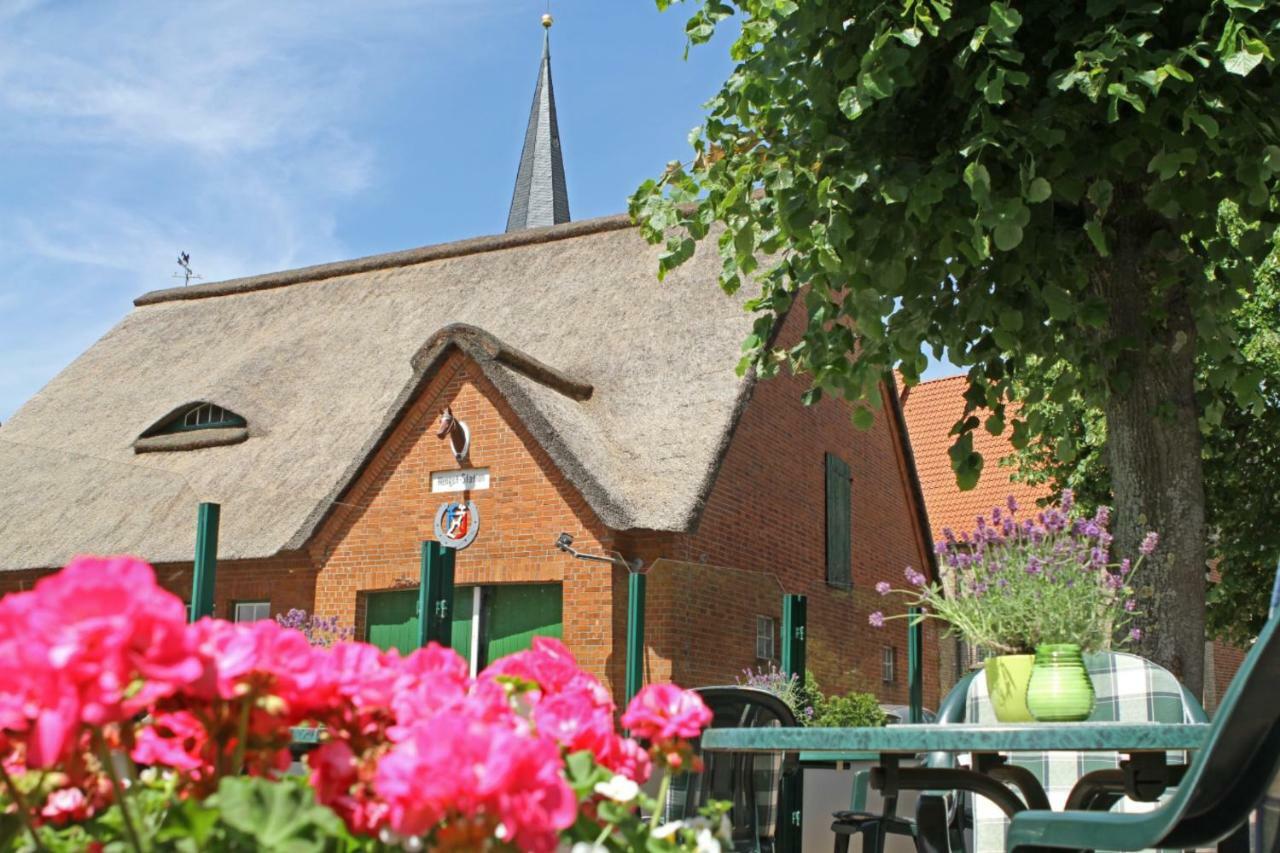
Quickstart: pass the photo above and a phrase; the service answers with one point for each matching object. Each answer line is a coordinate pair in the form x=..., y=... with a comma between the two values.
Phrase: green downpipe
x=635, y=634
x=915, y=666
x=206, y=569
x=791, y=821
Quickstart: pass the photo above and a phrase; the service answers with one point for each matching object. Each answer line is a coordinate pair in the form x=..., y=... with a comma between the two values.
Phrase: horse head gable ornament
x=458, y=432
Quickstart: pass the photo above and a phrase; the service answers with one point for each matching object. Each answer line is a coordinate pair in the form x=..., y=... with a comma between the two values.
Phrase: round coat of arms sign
x=457, y=523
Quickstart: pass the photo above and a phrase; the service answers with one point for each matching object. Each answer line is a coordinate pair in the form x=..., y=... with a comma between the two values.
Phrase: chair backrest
x=1128, y=689
x=751, y=782
x=1241, y=754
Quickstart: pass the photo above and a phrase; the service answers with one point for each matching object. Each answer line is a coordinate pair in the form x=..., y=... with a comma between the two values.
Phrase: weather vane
x=187, y=274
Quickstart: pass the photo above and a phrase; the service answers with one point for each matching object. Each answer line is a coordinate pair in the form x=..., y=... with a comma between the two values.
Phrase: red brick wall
x=766, y=515
x=286, y=581
x=374, y=539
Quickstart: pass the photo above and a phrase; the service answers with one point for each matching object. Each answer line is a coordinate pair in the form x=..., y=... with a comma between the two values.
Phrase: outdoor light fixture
x=564, y=542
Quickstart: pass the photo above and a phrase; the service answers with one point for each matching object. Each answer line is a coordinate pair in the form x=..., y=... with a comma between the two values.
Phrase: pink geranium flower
x=177, y=739
x=664, y=712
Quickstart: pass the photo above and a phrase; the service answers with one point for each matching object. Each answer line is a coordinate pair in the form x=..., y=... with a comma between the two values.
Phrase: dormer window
x=203, y=416
x=193, y=426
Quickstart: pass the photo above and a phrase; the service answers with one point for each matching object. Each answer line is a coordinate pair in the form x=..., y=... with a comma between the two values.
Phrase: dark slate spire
x=540, y=197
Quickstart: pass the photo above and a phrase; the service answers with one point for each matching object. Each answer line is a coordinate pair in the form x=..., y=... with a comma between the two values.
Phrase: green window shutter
x=838, y=523
x=516, y=613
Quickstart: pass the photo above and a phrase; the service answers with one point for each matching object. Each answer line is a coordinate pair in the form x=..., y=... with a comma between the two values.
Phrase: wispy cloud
x=231, y=129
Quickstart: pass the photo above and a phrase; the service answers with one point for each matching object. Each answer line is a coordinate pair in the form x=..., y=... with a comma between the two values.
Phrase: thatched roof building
x=629, y=384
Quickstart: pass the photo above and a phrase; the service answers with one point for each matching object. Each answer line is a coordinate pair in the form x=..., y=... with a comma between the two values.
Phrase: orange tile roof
x=932, y=409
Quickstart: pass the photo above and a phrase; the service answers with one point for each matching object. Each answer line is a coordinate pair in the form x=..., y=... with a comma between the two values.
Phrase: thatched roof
x=629, y=384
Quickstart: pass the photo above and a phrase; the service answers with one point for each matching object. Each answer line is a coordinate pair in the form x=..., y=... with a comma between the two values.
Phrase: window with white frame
x=889, y=664
x=252, y=611
x=764, y=637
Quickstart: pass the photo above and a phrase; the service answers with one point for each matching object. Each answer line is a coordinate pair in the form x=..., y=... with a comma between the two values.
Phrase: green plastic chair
x=1225, y=782
x=875, y=828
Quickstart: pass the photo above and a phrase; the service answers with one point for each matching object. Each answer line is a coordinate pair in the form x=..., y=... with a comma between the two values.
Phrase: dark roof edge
x=890, y=390
x=407, y=257
x=480, y=345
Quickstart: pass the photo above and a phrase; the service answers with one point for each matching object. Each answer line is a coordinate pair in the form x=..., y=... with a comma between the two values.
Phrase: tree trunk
x=1153, y=451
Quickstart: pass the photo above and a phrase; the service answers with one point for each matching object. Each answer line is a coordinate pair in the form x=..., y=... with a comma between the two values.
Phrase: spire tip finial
x=547, y=20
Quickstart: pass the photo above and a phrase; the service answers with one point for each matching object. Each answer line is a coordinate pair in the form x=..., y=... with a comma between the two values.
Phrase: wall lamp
x=564, y=542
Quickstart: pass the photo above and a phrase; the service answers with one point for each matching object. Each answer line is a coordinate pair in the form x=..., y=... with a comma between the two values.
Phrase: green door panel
x=463, y=601
x=516, y=613
x=392, y=620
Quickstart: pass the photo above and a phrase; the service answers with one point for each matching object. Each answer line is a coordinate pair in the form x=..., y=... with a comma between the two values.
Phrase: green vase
x=1060, y=690
x=1007, y=680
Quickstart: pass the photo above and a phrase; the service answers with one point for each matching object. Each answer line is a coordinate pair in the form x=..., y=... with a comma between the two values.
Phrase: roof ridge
x=481, y=344
x=390, y=260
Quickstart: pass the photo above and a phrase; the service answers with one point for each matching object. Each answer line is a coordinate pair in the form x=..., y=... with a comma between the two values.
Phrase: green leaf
x=1205, y=122
x=1061, y=305
x=849, y=102
x=978, y=179
x=1007, y=236
x=1241, y=62
x=1100, y=193
x=1039, y=190
x=1004, y=20
x=1011, y=320
x=863, y=417
x=1099, y=239
x=279, y=816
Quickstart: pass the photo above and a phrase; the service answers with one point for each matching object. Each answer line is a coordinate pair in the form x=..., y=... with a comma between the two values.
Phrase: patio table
x=1144, y=773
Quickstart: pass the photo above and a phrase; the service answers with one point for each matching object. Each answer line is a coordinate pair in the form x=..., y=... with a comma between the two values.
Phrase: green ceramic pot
x=1060, y=690
x=1007, y=680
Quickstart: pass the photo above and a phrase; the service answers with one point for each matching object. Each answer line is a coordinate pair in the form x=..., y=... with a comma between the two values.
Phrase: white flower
x=668, y=830
x=725, y=832
x=707, y=842
x=589, y=847
x=413, y=844
x=620, y=789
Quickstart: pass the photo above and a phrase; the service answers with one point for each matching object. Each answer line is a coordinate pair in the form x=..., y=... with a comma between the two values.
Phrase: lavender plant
x=1016, y=583
x=786, y=687
x=321, y=631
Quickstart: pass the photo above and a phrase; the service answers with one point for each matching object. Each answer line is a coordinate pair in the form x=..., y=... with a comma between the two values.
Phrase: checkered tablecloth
x=1129, y=689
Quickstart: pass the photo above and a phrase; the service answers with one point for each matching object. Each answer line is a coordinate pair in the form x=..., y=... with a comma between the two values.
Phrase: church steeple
x=540, y=197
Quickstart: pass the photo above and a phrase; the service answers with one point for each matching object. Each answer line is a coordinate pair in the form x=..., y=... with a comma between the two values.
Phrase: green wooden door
x=392, y=620
x=516, y=613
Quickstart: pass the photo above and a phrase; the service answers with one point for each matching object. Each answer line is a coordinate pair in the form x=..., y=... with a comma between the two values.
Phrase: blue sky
x=267, y=135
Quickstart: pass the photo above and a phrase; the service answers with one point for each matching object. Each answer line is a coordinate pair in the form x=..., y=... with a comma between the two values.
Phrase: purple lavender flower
x=1068, y=500
x=1012, y=503
x=883, y=587
x=1125, y=566
x=941, y=547
x=978, y=589
x=1135, y=634
x=1114, y=581
x=876, y=619
x=913, y=577
x=1103, y=516
x=1034, y=566
x=949, y=535
x=1130, y=605
x=1149, y=544
x=996, y=515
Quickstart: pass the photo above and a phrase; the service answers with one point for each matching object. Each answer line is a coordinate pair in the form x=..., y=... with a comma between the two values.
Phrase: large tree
x=1241, y=466
x=1010, y=183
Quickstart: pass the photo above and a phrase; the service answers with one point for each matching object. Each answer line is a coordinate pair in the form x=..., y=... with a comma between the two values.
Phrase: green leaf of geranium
x=279, y=816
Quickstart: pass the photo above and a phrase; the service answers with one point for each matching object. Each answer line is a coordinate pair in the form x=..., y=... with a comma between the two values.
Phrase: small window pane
x=764, y=637
x=252, y=611
x=888, y=664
